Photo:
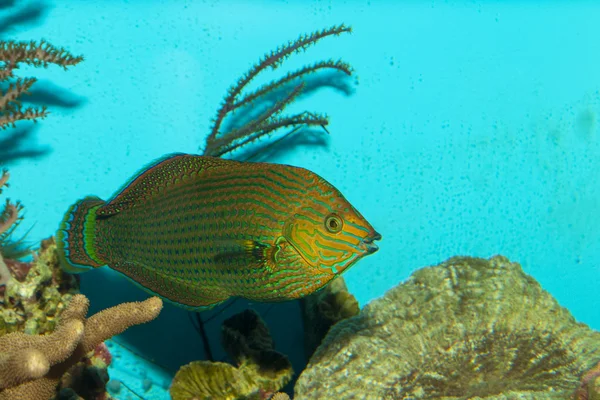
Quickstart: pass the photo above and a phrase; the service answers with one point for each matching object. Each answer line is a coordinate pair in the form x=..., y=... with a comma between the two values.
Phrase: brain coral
x=468, y=328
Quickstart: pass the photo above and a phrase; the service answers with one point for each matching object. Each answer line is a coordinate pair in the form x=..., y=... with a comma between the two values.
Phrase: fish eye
x=333, y=223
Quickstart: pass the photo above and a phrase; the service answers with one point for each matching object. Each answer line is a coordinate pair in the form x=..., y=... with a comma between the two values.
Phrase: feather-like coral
x=37, y=54
x=269, y=119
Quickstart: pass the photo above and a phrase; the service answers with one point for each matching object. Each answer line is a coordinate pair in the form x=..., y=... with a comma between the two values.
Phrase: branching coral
x=31, y=53
x=468, y=328
x=31, y=365
x=27, y=357
x=269, y=119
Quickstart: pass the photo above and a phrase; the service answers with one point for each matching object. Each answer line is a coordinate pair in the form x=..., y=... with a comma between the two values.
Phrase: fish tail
x=75, y=237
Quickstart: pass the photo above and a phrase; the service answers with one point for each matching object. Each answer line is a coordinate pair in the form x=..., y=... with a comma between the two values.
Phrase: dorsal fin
x=145, y=183
x=154, y=178
x=158, y=176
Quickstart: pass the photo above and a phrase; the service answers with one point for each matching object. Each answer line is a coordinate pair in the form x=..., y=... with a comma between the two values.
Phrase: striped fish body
x=197, y=230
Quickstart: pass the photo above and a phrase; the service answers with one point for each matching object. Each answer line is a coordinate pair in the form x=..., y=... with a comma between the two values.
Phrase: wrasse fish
x=197, y=230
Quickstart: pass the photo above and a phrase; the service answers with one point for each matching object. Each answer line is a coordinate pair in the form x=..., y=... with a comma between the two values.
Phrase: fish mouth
x=368, y=245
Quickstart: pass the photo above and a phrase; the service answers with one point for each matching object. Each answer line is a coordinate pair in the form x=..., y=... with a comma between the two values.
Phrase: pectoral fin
x=241, y=252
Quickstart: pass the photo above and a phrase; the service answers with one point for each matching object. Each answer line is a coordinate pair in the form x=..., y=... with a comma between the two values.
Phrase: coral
x=101, y=357
x=245, y=335
x=88, y=378
x=280, y=396
x=589, y=389
x=85, y=381
x=31, y=53
x=322, y=310
x=10, y=218
x=266, y=120
x=26, y=357
x=261, y=370
x=37, y=294
x=467, y=328
x=247, y=340
x=4, y=273
x=210, y=380
x=594, y=389
x=44, y=359
x=218, y=380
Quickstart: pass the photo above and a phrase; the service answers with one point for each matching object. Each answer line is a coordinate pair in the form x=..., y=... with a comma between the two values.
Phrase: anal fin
x=174, y=289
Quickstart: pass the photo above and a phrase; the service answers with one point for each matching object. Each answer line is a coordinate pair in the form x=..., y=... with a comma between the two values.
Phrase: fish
x=198, y=230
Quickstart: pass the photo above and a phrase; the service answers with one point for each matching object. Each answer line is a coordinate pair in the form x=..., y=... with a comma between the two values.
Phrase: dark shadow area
x=268, y=149
x=46, y=93
x=30, y=13
x=296, y=136
x=7, y=4
x=336, y=80
x=16, y=144
x=172, y=340
x=19, y=142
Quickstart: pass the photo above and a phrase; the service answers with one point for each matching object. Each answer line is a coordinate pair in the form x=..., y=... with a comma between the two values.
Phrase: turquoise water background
x=471, y=129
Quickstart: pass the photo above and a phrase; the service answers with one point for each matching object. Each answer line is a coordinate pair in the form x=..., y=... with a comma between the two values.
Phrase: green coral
x=218, y=380
x=468, y=328
x=32, y=305
x=211, y=380
x=261, y=370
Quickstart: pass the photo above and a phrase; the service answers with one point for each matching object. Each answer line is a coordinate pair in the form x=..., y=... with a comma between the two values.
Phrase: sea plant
x=37, y=54
x=278, y=94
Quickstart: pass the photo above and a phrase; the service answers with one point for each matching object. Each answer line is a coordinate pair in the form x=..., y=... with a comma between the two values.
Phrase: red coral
x=101, y=352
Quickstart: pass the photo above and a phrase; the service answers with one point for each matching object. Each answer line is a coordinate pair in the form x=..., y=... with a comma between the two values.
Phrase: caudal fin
x=75, y=237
